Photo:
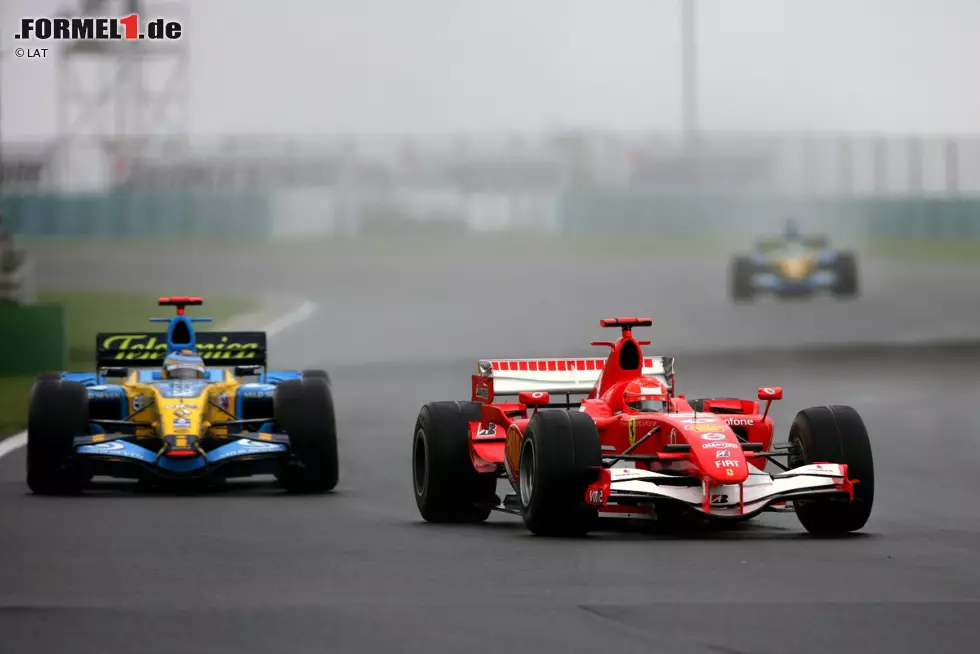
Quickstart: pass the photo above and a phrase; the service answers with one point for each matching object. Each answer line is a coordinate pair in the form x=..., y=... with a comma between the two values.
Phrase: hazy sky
x=438, y=66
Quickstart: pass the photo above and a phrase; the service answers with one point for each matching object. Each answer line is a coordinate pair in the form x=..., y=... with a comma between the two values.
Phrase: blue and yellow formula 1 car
x=179, y=411
x=794, y=266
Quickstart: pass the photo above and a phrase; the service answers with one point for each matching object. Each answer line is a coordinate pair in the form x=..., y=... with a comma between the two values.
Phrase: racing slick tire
x=834, y=434
x=558, y=459
x=58, y=413
x=317, y=374
x=447, y=486
x=845, y=267
x=741, y=279
x=304, y=411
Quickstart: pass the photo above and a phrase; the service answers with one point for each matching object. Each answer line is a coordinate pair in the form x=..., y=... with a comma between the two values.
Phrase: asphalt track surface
x=253, y=570
x=430, y=307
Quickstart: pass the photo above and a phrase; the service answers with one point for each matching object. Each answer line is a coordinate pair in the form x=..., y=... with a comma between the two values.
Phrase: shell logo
x=705, y=428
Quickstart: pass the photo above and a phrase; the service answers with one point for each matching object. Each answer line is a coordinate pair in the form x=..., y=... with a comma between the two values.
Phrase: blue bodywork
x=260, y=451
x=128, y=450
x=97, y=382
x=770, y=278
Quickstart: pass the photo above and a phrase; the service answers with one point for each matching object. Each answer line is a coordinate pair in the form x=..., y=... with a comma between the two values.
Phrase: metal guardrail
x=814, y=164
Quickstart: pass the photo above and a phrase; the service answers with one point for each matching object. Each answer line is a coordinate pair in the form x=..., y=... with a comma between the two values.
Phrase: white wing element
x=760, y=489
x=573, y=376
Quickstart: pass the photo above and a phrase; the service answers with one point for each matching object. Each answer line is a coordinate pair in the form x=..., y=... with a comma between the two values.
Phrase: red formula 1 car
x=632, y=447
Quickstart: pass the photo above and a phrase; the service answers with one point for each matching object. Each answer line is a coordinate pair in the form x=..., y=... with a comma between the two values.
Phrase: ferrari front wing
x=619, y=489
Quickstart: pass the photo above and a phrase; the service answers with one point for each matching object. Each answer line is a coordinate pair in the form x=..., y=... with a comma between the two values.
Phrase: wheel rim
x=526, y=472
x=420, y=467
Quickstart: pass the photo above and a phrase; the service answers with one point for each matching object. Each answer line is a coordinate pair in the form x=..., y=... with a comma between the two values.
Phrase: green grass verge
x=14, y=392
x=505, y=245
x=88, y=313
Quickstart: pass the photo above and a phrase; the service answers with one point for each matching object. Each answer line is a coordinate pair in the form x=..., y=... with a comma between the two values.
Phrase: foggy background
x=577, y=128
x=793, y=96
x=588, y=131
x=443, y=67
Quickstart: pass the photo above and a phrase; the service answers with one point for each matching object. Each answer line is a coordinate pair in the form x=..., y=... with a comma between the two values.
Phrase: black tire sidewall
x=566, y=454
x=317, y=374
x=304, y=411
x=847, y=278
x=453, y=490
x=58, y=412
x=741, y=278
x=834, y=434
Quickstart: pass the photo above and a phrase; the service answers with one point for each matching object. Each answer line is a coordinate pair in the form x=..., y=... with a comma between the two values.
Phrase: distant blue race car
x=793, y=266
x=179, y=411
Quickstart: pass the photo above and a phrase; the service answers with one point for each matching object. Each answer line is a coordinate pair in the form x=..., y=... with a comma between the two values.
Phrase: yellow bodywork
x=796, y=268
x=197, y=413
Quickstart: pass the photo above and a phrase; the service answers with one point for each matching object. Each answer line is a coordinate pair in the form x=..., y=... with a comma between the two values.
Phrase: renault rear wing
x=148, y=350
x=510, y=377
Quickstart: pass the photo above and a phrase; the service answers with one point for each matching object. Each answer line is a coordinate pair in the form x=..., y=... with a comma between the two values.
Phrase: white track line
x=12, y=443
x=294, y=317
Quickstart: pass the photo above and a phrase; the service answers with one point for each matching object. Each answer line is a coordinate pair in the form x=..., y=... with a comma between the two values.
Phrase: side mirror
x=248, y=371
x=770, y=393
x=535, y=398
x=115, y=372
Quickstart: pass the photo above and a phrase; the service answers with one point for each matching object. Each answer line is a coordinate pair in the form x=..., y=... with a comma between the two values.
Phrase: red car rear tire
x=559, y=458
x=447, y=486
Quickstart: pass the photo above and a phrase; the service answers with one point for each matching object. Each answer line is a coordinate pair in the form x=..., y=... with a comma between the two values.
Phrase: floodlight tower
x=117, y=98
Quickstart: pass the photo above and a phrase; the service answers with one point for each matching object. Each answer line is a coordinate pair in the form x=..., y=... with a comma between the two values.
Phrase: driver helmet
x=645, y=395
x=184, y=365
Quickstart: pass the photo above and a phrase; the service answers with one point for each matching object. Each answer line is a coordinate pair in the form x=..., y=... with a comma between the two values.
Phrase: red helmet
x=645, y=395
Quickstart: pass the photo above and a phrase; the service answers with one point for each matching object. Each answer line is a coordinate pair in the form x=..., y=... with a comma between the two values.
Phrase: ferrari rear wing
x=510, y=377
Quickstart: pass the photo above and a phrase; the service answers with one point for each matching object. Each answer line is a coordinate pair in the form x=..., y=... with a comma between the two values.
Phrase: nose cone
x=795, y=269
x=733, y=470
x=183, y=419
x=716, y=450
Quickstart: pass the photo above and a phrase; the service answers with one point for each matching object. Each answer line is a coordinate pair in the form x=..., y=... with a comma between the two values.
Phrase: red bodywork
x=715, y=454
